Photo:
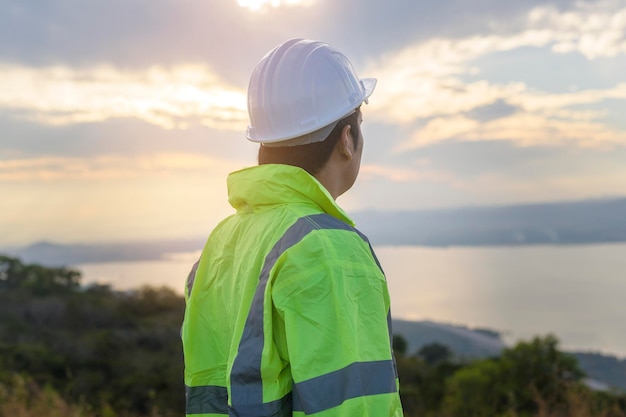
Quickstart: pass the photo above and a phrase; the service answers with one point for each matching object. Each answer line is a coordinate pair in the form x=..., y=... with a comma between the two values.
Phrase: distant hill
x=468, y=344
x=464, y=342
x=54, y=254
x=589, y=221
x=608, y=369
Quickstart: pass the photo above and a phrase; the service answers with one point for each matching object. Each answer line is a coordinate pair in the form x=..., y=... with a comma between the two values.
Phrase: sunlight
x=392, y=174
x=171, y=98
x=263, y=5
x=112, y=167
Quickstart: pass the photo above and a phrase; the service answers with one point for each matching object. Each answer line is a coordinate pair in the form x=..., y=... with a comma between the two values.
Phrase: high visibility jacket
x=287, y=310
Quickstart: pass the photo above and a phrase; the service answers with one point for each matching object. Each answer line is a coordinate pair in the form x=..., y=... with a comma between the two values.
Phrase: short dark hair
x=314, y=156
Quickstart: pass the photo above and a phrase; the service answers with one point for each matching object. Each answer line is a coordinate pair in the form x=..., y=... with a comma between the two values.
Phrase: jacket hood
x=260, y=187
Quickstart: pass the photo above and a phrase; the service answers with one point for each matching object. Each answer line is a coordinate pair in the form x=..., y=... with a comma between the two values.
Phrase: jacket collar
x=260, y=187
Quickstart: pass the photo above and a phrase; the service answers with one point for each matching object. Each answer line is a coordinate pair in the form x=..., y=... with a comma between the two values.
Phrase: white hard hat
x=300, y=90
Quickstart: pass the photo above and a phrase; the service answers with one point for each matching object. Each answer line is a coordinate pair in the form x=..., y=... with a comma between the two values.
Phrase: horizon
x=552, y=223
x=358, y=214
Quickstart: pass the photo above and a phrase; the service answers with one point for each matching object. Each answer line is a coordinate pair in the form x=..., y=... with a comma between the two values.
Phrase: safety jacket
x=287, y=310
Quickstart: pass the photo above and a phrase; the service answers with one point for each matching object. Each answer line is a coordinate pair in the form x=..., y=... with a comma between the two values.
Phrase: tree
x=434, y=353
x=537, y=369
x=476, y=391
x=525, y=377
x=399, y=344
x=37, y=279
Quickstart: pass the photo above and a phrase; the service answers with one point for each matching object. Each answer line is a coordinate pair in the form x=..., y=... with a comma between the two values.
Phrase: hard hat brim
x=313, y=137
x=369, y=84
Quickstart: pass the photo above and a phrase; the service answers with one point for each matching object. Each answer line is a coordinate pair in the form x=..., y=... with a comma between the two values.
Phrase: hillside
x=55, y=254
x=469, y=344
x=580, y=222
x=464, y=342
x=67, y=350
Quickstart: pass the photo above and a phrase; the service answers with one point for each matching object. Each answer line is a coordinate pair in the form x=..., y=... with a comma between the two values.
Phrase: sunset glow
x=508, y=103
x=170, y=98
x=263, y=5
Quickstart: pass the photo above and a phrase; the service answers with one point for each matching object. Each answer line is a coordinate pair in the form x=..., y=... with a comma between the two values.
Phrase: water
x=171, y=272
x=575, y=292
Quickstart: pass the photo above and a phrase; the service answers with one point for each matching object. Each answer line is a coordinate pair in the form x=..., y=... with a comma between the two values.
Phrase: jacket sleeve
x=331, y=313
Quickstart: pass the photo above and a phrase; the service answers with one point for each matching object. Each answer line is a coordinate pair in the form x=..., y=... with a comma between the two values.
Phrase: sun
x=263, y=5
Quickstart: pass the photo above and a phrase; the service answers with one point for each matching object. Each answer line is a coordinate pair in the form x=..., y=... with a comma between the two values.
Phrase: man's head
x=303, y=98
x=312, y=157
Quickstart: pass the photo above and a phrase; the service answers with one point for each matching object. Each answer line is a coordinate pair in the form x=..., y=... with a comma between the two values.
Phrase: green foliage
x=532, y=378
x=423, y=384
x=94, y=352
x=538, y=368
x=475, y=391
x=399, y=344
x=37, y=279
x=93, y=345
x=21, y=397
x=435, y=353
x=520, y=381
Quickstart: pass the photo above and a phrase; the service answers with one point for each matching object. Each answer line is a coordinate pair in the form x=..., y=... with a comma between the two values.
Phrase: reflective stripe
x=371, y=249
x=246, y=385
x=278, y=408
x=208, y=399
x=358, y=379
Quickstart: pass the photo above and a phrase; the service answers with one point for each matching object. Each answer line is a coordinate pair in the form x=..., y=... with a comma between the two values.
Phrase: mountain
x=579, y=222
x=608, y=369
x=54, y=254
x=466, y=344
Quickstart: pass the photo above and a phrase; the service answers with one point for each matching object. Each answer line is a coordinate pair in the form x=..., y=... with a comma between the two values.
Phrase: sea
x=575, y=292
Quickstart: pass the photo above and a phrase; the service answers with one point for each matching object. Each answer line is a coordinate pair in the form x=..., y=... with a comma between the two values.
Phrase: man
x=287, y=308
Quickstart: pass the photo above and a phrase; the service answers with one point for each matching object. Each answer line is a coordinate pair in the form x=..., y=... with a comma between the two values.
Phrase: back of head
x=299, y=91
x=311, y=157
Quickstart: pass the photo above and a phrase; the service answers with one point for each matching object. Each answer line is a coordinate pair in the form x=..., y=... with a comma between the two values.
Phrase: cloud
x=595, y=29
x=541, y=119
x=487, y=173
x=421, y=171
x=167, y=97
x=21, y=139
x=525, y=129
x=46, y=169
x=143, y=33
x=553, y=104
x=498, y=189
x=465, y=159
x=393, y=174
x=422, y=81
x=496, y=110
x=426, y=82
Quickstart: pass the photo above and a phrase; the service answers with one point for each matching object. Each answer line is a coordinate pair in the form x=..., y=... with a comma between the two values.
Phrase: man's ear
x=345, y=143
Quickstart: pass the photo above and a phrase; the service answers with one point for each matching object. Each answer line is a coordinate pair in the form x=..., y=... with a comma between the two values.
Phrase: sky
x=120, y=119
